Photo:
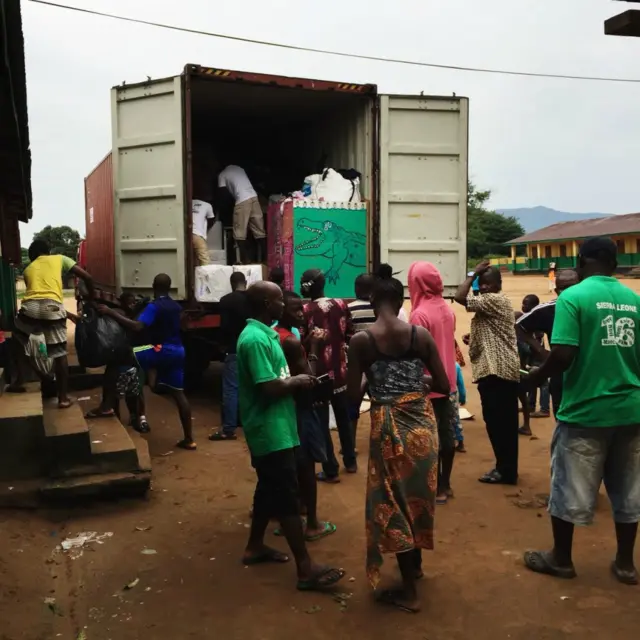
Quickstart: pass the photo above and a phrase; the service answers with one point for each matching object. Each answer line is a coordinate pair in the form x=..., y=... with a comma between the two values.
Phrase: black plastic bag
x=100, y=340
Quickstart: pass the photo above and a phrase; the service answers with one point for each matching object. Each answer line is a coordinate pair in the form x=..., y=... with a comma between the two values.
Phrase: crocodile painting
x=329, y=240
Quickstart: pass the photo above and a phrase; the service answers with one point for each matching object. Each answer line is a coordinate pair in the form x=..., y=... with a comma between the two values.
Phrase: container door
x=423, y=184
x=148, y=174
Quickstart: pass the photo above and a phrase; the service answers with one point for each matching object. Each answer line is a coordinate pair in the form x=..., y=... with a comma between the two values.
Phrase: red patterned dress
x=403, y=459
x=332, y=316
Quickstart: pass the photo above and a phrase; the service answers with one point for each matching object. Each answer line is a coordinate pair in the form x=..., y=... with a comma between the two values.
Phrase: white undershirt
x=201, y=212
x=235, y=179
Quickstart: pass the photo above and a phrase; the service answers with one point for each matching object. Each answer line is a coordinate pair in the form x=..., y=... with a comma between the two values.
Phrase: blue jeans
x=230, y=395
x=581, y=459
x=544, y=398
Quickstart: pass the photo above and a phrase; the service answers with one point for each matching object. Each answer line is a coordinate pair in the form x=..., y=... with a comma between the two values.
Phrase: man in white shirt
x=202, y=220
x=247, y=212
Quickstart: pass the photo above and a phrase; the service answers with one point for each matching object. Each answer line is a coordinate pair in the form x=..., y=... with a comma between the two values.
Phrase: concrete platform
x=22, y=450
x=67, y=436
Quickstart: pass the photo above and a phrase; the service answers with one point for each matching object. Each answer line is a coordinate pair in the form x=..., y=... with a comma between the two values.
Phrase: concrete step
x=67, y=437
x=33, y=493
x=105, y=485
x=111, y=446
x=22, y=441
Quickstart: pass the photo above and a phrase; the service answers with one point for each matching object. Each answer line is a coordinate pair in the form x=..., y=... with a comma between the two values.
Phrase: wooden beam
x=624, y=24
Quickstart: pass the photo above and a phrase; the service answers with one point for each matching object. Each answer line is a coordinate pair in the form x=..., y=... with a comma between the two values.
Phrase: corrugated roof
x=609, y=226
x=15, y=156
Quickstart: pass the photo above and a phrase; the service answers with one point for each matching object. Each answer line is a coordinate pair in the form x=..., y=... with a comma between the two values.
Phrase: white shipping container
x=410, y=150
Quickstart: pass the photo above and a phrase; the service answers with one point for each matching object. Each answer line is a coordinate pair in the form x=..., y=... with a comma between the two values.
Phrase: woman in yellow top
x=42, y=311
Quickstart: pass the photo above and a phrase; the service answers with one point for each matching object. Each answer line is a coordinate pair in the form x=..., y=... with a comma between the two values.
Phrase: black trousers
x=340, y=407
x=500, y=412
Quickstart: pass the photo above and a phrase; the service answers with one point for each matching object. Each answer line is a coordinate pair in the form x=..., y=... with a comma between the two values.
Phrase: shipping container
x=410, y=150
x=98, y=249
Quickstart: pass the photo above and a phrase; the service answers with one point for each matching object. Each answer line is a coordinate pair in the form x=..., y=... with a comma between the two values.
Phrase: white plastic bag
x=330, y=186
x=36, y=351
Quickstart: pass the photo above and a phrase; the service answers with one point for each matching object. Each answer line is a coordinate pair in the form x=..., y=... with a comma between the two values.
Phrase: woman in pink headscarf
x=431, y=311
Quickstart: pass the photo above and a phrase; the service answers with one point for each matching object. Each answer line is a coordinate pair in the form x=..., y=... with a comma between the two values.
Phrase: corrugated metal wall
x=7, y=294
x=99, y=249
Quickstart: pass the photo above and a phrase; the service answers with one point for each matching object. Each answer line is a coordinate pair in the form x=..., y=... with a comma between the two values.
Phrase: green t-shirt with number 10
x=601, y=317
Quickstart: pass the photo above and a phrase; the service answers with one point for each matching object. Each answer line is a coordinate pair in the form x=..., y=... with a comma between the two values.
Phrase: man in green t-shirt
x=598, y=433
x=268, y=414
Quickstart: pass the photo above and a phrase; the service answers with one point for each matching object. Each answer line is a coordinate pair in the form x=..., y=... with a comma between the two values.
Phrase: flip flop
x=218, y=436
x=442, y=500
x=327, y=529
x=278, y=531
x=268, y=555
x=65, y=405
x=321, y=579
x=542, y=562
x=188, y=445
x=323, y=477
x=95, y=414
x=523, y=431
x=625, y=576
x=392, y=598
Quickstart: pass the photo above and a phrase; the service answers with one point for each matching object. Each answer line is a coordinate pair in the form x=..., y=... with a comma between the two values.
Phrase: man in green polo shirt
x=268, y=414
x=598, y=434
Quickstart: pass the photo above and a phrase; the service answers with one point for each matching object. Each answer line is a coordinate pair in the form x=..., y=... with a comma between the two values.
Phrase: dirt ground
x=196, y=521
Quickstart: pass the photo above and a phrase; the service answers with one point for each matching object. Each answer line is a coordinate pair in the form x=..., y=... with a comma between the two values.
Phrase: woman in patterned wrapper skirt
x=403, y=456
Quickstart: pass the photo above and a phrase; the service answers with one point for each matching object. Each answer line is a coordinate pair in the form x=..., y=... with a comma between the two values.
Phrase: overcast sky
x=570, y=145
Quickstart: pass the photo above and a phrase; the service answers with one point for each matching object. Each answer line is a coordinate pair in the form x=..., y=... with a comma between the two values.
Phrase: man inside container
x=202, y=219
x=247, y=213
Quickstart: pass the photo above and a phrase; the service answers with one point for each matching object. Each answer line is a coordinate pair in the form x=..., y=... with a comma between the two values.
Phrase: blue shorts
x=167, y=360
x=312, y=437
x=583, y=457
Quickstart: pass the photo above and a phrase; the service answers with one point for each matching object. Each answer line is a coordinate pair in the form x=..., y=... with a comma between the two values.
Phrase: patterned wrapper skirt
x=402, y=478
x=47, y=317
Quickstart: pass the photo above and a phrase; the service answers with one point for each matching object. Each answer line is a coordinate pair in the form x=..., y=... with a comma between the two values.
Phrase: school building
x=560, y=243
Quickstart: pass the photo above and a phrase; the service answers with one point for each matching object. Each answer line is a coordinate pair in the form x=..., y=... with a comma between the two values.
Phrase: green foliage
x=487, y=231
x=62, y=240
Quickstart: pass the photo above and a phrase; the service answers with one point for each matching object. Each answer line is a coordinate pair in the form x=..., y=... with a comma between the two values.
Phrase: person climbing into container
x=42, y=311
x=247, y=213
x=122, y=380
x=165, y=354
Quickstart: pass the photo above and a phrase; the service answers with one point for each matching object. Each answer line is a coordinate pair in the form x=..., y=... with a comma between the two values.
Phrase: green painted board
x=331, y=237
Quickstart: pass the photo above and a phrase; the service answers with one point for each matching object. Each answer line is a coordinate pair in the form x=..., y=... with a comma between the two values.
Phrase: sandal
x=321, y=579
x=188, y=445
x=543, y=562
x=218, y=436
x=65, y=404
x=97, y=413
x=268, y=555
x=396, y=599
x=441, y=500
x=326, y=529
x=523, y=431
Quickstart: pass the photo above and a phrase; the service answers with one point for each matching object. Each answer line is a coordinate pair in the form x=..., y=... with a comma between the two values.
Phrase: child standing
x=458, y=399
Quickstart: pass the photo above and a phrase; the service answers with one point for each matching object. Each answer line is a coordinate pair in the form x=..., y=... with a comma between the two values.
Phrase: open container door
x=423, y=184
x=148, y=174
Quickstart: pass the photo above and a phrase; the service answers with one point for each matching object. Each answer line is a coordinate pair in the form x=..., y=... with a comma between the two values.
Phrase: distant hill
x=533, y=218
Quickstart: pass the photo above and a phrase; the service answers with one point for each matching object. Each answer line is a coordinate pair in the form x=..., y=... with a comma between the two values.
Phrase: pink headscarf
x=431, y=311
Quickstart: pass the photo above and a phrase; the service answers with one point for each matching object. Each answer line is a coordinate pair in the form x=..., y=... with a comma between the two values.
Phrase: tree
x=63, y=240
x=487, y=231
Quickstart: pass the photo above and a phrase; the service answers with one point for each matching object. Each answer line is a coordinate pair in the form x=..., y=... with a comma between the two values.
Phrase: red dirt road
x=196, y=587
